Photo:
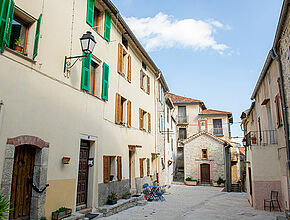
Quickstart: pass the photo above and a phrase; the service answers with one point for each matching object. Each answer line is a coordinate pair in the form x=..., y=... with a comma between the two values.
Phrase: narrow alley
x=198, y=202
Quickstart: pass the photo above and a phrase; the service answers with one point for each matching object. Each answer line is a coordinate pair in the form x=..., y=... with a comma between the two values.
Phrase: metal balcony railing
x=182, y=119
x=218, y=131
x=261, y=137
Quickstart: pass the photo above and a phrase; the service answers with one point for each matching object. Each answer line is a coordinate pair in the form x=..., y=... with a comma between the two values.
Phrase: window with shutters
x=142, y=167
x=124, y=62
x=99, y=19
x=148, y=166
x=217, y=127
x=161, y=123
x=278, y=110
x=112, y=168
x=182, y=134
x=15, y=27
x=123, y=111
x=144, y=82
x=144, y=120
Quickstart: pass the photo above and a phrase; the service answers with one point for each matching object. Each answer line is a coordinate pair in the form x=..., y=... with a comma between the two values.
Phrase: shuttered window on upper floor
x=124, y=62
x=95, y=19
x=112, y=168
x=123, y=111
x=144, y=82
x=14, y=28
x=144, y=120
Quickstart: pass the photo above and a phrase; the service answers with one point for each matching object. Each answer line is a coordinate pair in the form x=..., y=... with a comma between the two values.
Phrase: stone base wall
x=119, y=187
x=262, y=190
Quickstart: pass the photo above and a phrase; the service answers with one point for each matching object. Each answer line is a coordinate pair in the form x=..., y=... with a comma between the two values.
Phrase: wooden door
x=205, y=173
x=21, y=187
x=130, y=168
x=83, y=175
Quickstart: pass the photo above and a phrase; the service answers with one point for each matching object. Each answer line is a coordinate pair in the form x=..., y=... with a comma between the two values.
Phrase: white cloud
x=163, y=31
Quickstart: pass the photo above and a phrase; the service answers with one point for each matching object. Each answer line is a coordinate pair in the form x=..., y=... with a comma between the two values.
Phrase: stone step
x=121, y=205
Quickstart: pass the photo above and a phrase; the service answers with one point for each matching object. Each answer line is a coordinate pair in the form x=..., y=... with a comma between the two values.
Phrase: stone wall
x=193, y=156
x=285, y=59
x=119, y=187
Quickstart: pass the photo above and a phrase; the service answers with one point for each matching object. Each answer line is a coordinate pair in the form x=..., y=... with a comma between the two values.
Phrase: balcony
x=266, y=137
x=218, y=131
x=182, y=119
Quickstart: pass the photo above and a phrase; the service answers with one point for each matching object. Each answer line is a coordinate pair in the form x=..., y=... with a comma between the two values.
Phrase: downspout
x=275, y=56
x=156, y=119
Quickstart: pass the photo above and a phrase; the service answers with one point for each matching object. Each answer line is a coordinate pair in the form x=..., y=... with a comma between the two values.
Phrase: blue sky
x=216, y=48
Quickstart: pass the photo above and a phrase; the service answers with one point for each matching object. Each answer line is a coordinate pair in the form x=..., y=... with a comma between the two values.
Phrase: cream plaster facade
x=264, y=124
x=39, y=99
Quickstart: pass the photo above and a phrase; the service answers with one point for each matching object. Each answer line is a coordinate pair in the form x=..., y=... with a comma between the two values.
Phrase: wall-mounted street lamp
x=87, y=43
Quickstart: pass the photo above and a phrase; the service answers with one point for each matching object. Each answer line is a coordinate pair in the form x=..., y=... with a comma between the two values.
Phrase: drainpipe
x=157, y=119
x=275, y=56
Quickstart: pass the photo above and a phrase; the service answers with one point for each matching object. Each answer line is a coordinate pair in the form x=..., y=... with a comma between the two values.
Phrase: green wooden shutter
x=107, y=26
x=86, y=72
x=36, y=39
x=6, y=17
x=105, y=81
x=90, y=12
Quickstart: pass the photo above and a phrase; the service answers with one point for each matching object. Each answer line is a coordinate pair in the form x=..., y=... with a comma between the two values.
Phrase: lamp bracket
x=68, y=65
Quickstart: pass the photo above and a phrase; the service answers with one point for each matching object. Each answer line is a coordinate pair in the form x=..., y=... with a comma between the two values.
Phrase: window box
x=59, y=214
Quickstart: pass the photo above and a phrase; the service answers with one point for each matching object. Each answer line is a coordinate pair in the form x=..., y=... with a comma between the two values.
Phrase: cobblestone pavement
x=196, y=202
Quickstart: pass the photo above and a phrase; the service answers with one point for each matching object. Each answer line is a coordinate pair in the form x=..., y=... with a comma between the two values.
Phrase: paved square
x=196, y=202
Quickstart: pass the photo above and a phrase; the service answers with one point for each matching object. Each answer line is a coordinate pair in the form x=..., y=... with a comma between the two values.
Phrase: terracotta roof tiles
x=181, y=99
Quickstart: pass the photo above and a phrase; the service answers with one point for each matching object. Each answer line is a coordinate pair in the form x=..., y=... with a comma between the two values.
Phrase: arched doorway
x=21, y=188
x=24, y=176
x=205, y=173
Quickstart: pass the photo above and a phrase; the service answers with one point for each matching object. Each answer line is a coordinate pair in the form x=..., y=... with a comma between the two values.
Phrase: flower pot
x=59, y=215
x=126, y=196
x=112, y=201
x=18, y=48
x=190, y=183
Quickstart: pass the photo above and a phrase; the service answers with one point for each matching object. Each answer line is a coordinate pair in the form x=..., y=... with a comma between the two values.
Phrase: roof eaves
x=116, y=12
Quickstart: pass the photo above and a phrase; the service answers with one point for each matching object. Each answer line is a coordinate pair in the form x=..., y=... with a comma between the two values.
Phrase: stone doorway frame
x=210, y=171
x=37, y=206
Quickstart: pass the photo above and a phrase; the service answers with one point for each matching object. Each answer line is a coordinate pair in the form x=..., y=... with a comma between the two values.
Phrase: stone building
x=266, y=122
x=86, y=130
x=206, y=158
x=195, y=120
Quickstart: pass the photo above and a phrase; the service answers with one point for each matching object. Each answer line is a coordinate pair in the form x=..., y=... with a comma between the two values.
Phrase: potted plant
x=61, y=213
x=127, y=195
x=18, y=45
x=111, y=177
x=190, y=182
x=4, y=207
x=221, y=182
x=254, y=140
x=112, y=198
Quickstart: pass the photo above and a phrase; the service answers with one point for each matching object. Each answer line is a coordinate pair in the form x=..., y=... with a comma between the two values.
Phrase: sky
x=213, y=50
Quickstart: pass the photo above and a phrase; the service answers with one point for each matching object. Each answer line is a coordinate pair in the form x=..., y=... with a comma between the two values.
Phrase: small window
x=204, y=153
x=97, y=20
x=123, y=111
x=144, y=65
x=124, y=42
x=182, y=133
x=19, y=33
x=113, y=168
